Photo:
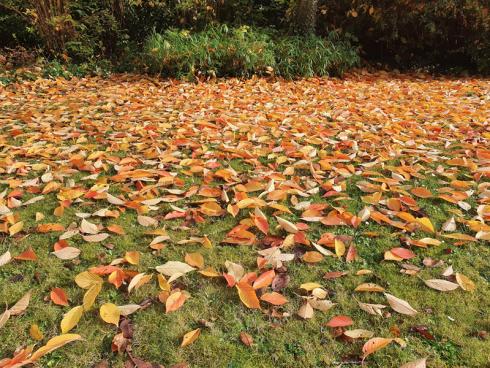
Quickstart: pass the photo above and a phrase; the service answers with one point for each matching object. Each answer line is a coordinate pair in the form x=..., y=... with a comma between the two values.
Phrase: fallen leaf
x=190, y=337
x=110, y=313
x=71, y=318
x=441, y=285
x=373, y=345
x=464, y=282
x=400, y=305
x=58, y=297
x=247, y=295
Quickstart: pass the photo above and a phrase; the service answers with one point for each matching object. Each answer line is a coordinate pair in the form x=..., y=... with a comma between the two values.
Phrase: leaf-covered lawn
x=314, y=223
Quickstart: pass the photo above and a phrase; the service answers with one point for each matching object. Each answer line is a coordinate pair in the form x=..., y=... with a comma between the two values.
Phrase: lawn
x=278, y=199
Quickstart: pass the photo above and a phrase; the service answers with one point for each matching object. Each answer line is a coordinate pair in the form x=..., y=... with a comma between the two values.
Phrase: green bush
x=216, y=51
x=307, y=56
x=223, y=51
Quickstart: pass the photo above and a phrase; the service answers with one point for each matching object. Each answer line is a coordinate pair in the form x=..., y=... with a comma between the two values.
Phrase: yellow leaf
x=35, y=332
x=206, y=243
x=209, y=272
x=465, y=283
x=71, y=319
x=339, y=248
x=90, y=295
x=15, y=228
x=369, y=287
x=312, y=257
x=194, y=259
x=21, y=305
x=310, y=286
x=425, y=223
x=132, y=257
x=163, y=283
x=86, y=279
x=190, y=337
x=110, y=313
x=53, y=344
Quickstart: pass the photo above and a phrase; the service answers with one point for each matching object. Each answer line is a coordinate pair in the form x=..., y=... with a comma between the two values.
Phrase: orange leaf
x=274, y=298
x=373, y=345
x=27, y=255
x=175, y=301
x=247, y=295
x=264, y=280
x=58, y=296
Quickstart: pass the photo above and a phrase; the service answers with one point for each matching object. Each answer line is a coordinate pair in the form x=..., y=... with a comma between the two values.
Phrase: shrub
x=307, y=56
x=223, y=51
x=216, y=51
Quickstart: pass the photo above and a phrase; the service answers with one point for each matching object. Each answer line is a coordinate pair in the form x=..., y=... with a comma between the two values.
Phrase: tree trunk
x=304, y=16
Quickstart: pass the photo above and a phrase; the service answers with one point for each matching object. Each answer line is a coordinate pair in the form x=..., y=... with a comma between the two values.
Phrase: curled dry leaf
x=128, y=309
x=147, y=221
x=359, y=334
x=138, y=281
x=5, y=258
x=21, y=305
x=4, y=317
x=287, y=225
x=369, y=287
x=306, y=311
x=88, y=227
x=375, y=309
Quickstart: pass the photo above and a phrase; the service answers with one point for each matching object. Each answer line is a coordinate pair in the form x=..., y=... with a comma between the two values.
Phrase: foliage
x=307, y=56
x=216, y=51
x=244, y=51
x=446, y=33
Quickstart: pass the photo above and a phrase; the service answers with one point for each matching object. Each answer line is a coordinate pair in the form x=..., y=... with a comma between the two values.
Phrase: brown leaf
x=246, y=338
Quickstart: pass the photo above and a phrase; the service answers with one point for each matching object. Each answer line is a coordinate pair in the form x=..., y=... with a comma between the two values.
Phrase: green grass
x=277, y=342
x=281, y=340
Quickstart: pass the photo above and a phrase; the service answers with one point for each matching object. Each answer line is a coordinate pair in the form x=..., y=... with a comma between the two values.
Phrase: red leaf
x=340, y=321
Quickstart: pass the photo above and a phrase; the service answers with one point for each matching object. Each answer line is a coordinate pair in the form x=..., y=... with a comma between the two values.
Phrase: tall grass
x=223, y=51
